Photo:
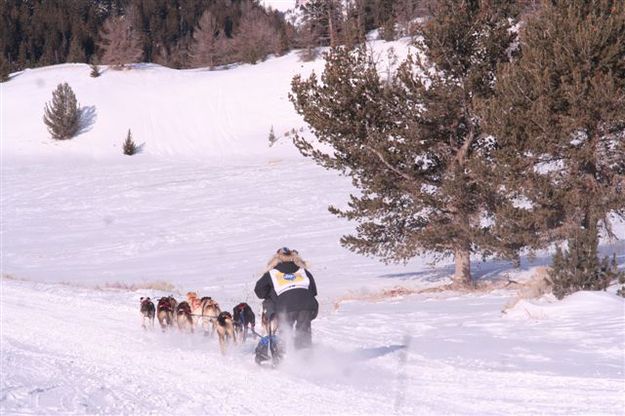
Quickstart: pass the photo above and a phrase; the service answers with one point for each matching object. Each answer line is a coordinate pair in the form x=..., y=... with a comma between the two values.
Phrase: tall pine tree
x=559, y=117
x=413, y=144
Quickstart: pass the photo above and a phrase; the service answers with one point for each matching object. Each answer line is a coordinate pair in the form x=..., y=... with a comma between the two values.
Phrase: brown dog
x=165, y=311
x=210, y=313
x=183, y=316
x=225, y=329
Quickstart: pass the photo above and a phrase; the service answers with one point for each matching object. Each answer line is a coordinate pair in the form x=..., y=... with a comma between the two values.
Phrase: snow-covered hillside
x=192, y=114
x=202, y=208
x=68, y=350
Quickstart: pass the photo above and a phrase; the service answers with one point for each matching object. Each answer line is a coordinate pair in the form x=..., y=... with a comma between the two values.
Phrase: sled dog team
x=288, y=292
x=197, y=312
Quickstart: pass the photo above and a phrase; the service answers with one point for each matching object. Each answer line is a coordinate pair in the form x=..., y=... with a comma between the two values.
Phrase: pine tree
x=62, y=115
x=272, y=137
x=130, y=148
x=579, y=268
x=558, y=114
x=413, y=144
x=95, y=71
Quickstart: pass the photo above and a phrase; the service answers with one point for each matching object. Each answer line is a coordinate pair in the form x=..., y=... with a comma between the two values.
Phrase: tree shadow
x=495, y=268
x=87, y=119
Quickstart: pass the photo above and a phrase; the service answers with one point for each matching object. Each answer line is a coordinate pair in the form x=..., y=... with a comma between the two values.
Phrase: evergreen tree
x=579, y=268
x=559, y=118
x=62, y=115
x=413, y=144
x=130, y=148
x=272, y=137
x=95, y=71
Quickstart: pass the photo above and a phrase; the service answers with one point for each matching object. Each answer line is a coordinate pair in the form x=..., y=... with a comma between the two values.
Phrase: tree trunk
x=331, y=26
x=462, y=257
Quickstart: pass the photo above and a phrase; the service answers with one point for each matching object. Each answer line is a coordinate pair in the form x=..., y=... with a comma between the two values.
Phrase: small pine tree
x=272, y=137
x=579, y=268
x=62, y=115
x=130, y=148
x=95, y=71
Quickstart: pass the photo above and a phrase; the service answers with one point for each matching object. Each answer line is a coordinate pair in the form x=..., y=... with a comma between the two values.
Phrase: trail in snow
x=75, y=350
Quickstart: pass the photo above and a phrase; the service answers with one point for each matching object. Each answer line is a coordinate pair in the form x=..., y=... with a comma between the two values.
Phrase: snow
x=202, y=208
x=280, y=5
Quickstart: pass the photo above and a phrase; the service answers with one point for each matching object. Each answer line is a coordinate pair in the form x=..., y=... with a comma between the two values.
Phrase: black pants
x=301, y=320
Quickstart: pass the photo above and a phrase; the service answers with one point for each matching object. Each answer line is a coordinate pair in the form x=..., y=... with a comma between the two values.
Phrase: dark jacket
x=292, y=300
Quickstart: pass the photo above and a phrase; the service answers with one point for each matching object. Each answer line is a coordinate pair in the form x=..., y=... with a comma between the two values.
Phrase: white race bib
x=283, y=282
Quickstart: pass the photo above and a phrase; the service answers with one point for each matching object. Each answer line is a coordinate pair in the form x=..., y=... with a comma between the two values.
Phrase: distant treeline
x=183, y=33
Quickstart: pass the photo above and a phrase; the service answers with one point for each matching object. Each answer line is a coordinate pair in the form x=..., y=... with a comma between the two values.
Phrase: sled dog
x=147, y=312
x=183, y=316
x=243, y=319
x=165, y=311
x=225, y=329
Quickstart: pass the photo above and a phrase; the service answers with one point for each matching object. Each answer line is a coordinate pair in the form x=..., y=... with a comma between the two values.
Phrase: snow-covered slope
x=223, y=115
x=79, y=351
x=192, y=114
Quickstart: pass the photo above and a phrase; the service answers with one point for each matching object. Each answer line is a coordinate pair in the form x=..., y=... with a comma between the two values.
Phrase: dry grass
x=534, y=287
x=159, y=285
x=384, y=294
x=7, y=276
x=133, y=287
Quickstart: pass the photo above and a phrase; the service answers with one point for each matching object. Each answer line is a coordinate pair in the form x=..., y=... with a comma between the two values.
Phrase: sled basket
x=269, y=350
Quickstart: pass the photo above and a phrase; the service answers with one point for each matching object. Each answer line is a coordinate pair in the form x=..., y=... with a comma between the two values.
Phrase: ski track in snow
x=76, y=350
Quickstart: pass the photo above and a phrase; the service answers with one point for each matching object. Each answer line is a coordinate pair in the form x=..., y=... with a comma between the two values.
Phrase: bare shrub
x=256, y=37
x=537, y=286
x=120, y=41
x=160, y=285
x=209, y=44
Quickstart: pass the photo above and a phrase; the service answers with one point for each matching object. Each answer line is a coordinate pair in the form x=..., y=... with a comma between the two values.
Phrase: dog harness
x=283, y=282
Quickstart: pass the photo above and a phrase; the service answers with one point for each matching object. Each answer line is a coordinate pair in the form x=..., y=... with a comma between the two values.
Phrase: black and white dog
x=147, y=312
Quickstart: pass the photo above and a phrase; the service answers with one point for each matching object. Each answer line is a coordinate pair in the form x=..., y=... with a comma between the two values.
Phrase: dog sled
x=269, y=350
